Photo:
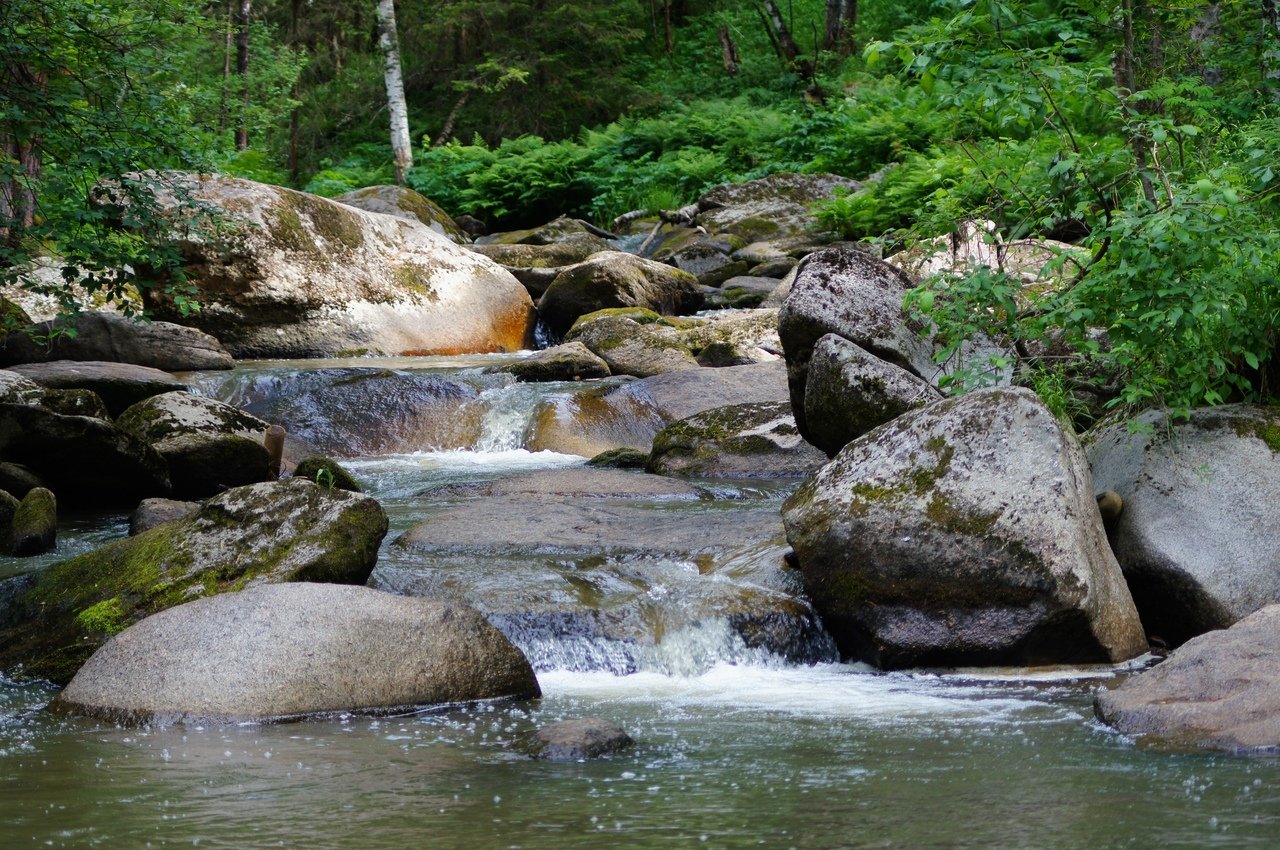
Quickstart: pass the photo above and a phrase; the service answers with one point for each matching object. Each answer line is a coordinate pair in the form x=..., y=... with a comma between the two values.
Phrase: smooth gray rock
x=849, y=391
x=286, y=651
x=35, y=523
x=613, y=279
x=153, y=512
x=963, y=533
x=209, y=446
x=779, y=206
x=757, y=440
x=1219, y=691
x=1201, y=507
x=119, y=385
x=266, y=533
x=18, y=479
x=115, y=338
x=579, y=739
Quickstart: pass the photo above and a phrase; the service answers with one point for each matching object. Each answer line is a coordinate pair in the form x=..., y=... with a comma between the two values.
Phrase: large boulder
x=571, y=361
x=593, y=569
x=115, y=338
x=85, y=460
x=403, y=202
x=119, y=385
x=1201, y=505
x=287, y=274
x=850, y=391
x=286, y=651
x=265, y=533
x=348, y=412
x=740, y=441
x=209, y=446
x=1219, y=691
x=629, y=347
x=964, y=533
x=613, y=279
x=774, y=207
x=629, y=415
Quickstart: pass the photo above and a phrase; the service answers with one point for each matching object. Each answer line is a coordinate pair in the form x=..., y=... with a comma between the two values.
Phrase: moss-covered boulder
x=1201, y=508
x=119, y=385
x=327, y=473
x=101, y=336
x=562, y=229
x=8, y=507
x=628, y=347
x=265, y=533
x=620, y=459
x=288, y=274
x=209, y=446
x=776, y=207
x=850, y=391
x=571, y=361
x=35, y=523
x=287, y=651
x=614, y=279
x=403, y=202
x=18, y=479
x=963, y=533
x=740, y=441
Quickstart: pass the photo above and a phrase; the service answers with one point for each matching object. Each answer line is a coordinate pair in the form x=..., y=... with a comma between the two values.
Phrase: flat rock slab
x=580, y=739
x=597, y=483
x=116, y=338
x=292, y=650
x=119, y=385
x=1218, y=691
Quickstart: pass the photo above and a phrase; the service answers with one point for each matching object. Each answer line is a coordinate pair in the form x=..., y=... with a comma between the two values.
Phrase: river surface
x=734, y=748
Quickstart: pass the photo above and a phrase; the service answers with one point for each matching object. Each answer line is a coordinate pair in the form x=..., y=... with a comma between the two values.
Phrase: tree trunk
x=842, y=18
x=781, y=33
x=670, y=38
x=401, y=145
x=18, y=192
x=242, y=70
x=728, y=50
x=447, y=130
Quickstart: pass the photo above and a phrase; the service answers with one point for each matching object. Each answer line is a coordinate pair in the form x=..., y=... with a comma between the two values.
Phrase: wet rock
x=595, y=569
x=289, y=274
x=153, y=512
x=18, y=479
x=403, y=202
x=265, y=533
x=630, y=347
x=365, y=411
x=707, y=258
x=119, y=385
x=287, y=651
x=209, y=446
x=114, y=338
x=620, y=459
x=326, y=473
x=571, y=361
x=562, y=229
x=83, y=459
x=579, y=739
x=964, y=533
x=1201, y=504
x=614, y=279
x=741, y=441
x=9, y=507
x=35, y=523
x=629, y=415
x=849, y=391
x=1220, y=691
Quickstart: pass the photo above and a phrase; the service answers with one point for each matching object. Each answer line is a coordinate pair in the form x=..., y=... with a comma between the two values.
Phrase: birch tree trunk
x=242, y=71
x=401, y=146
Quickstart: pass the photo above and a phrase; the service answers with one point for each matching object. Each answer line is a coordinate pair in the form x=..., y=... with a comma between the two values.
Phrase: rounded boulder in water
x=580, y=739
x=289, y=650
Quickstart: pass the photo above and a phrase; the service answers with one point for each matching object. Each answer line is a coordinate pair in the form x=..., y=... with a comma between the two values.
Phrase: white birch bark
x=401, y=144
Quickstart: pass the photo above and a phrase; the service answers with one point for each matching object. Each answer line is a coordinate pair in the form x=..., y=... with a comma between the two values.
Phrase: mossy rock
x=622, y=458
x=35, y=523
x=613, y=279
x=404, y=202
x=754, y=440
x=326, y=472
x=264, y=533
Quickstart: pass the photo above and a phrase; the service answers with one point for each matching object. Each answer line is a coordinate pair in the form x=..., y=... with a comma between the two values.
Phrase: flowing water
x=735, y=747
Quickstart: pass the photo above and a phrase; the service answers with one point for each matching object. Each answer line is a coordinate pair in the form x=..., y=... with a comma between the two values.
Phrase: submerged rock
x=614, y=279
x=1219, y=691
x=286, y=651
x=209, y=446
x=579, y=739
x=964, y=533
x=265, y=533
x=119, y=385
x=118, y=339
x=288, y=274
x=1201, y=505
x=740, y=441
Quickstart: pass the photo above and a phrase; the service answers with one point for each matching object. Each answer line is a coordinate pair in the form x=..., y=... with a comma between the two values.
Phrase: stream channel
x=736, y=747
